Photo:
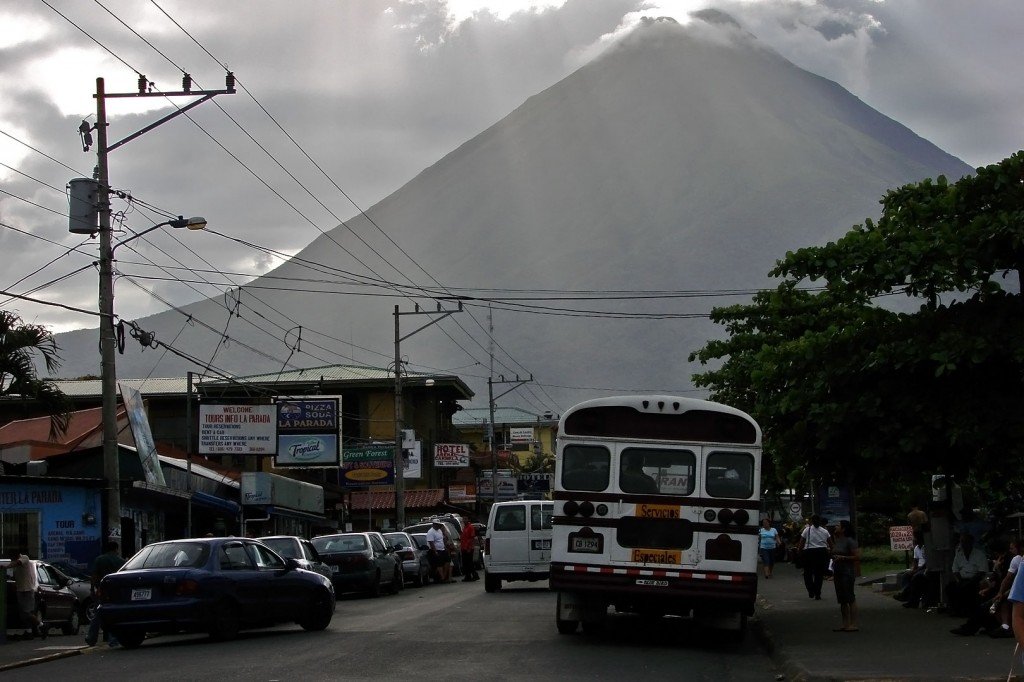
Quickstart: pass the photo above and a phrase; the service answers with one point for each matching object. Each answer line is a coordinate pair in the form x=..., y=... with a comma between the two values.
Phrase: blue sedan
x=213, y=585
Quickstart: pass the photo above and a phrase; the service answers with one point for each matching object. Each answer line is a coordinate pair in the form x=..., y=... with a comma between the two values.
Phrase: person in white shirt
x=815, y=545
x=439, y=557
x=1016, y=555
x=915, y=579
x=969, y=566
x=26, y=583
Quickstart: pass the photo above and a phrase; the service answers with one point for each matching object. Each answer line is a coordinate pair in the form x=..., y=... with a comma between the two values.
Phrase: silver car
x=300, y=549
x=415, y=564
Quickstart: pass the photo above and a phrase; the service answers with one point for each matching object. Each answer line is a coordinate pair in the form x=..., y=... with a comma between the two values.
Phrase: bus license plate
x=142, y=593
x=586, y=545
x=653, y=583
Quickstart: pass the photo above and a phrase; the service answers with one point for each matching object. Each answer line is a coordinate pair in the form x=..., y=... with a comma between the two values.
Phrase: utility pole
x=399, y=462
x=108, y=370
x=490, y=402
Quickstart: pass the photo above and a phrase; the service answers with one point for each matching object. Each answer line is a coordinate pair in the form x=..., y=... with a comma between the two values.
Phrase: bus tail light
x=570, y=508
x=725, y=515
x=741, y=517
x=587, y=509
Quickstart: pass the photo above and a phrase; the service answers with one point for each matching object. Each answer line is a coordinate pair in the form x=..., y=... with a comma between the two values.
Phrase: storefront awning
x=214, y=502
x=385, y=499
x=198, y=498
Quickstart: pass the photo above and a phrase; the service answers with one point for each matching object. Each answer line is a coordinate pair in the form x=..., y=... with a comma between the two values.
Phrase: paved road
x=470, y=634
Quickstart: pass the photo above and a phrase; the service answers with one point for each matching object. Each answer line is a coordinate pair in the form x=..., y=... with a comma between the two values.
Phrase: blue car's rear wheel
x=318, y=613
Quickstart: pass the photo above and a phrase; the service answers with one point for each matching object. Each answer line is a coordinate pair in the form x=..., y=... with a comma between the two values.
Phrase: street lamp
x=108, y=370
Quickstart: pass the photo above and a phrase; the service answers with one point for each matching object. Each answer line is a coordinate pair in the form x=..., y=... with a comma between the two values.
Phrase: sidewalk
x=15, y=652
x=894, y=643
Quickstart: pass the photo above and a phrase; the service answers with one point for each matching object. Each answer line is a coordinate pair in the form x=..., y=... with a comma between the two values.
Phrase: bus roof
x=660, y=417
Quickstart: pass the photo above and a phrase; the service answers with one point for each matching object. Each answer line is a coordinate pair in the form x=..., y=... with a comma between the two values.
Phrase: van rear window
x=511, y=517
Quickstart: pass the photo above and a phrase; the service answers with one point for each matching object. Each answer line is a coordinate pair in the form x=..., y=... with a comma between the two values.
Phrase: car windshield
x=398, y=539
x=170, y=555
x=286, y=547
x=340, y=543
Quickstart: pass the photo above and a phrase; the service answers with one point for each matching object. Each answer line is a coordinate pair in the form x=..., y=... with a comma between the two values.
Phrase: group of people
x=819, y=551
x=976, y=590
x=440, y=552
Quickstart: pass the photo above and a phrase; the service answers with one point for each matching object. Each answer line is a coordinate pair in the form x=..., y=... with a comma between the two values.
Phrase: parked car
x=360, y=562
x=300, y=549
x=415, y=564
x=481, y=534
x=80, y=583
x=56, y=603
x=214, y=585
x=451, y=539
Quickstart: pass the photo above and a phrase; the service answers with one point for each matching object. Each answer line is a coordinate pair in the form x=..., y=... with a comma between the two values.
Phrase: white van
x=518, y=542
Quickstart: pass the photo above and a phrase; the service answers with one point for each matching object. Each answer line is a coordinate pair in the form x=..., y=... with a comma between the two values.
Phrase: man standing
x=26, y=583
x=105, y=564
x=439, y=558
x=467, y=540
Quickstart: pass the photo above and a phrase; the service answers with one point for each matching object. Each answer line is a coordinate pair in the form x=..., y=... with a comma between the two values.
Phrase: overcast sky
x=351, y=99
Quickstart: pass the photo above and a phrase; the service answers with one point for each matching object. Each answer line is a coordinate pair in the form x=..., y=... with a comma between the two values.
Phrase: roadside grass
x=879, y=560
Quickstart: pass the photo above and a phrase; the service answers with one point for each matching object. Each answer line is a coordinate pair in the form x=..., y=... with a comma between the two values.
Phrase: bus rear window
x=585, y=467
x=730, y=474
x=656, y=471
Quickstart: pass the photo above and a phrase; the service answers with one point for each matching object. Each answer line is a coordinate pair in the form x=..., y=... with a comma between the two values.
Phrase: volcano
x=682, y=162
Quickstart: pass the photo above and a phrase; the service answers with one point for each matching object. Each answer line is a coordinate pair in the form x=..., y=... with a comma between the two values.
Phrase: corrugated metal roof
x=92, y=388
x=475, y=416
x=86, y=388
x=329, y=373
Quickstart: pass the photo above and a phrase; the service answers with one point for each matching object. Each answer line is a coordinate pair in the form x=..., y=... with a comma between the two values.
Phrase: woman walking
x=767, y=543
x=815, y=545
x=845, y=553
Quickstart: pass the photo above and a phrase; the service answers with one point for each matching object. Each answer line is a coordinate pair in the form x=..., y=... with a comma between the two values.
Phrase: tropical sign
x=308, y=432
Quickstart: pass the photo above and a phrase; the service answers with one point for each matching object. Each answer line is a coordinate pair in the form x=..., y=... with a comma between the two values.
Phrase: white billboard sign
x=412, y=461
x=237, y=429
x=451, y=455
x=517, y=434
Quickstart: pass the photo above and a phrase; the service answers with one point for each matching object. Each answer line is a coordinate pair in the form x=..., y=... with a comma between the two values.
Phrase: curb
x=41, y=659
x=790, y=667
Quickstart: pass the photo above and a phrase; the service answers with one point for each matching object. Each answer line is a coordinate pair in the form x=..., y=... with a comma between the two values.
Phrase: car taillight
x=187, y=588
x=407, y=555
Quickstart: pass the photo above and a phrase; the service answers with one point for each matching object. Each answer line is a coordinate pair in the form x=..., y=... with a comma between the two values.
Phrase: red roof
x=85, y=430
x=385, y=499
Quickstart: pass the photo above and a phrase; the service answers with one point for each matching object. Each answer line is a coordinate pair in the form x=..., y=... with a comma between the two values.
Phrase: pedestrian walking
x=105, y=564
x=845, y=553
x=26, y=584
x=814, y=545
x=768, y=542
x=467, y=542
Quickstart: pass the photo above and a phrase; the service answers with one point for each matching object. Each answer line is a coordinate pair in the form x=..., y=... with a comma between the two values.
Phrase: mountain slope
x=681, y=159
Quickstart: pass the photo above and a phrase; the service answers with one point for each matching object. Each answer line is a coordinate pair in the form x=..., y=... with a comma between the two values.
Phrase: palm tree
x=20, y=345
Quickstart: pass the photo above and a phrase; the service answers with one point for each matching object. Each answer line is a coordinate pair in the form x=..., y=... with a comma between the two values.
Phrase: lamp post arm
x=140, y=234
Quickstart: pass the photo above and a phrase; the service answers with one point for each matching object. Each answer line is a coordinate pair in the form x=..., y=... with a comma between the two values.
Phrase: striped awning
x=385, y=499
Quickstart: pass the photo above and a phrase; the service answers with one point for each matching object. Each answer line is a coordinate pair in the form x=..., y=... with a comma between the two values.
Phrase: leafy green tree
x=847, y=388
x=20, y=345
